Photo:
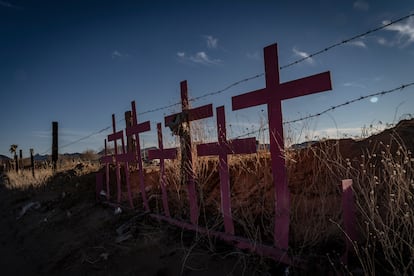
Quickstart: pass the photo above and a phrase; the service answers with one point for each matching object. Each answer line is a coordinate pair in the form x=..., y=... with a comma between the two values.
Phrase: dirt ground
x=60, y=229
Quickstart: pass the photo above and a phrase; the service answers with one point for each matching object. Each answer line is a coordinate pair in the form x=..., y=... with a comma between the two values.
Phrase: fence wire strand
x=382, y=93
x=324, y=50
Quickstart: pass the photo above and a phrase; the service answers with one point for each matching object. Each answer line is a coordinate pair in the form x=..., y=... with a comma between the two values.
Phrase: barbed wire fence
x=247, y=79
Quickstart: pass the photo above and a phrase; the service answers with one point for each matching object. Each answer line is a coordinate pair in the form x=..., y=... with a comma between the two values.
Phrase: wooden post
x=130, y=139
x=179, y=123
x=32, y=162
x=16, y=163
x=272, y=95
x=222, y=148
x=21, y=166
x=54, y=145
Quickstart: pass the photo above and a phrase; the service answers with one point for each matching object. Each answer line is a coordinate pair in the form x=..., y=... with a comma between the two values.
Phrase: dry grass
x=24, y=179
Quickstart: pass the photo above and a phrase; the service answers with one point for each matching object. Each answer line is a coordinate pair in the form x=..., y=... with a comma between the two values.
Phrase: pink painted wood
x=272, y=95
x=348, y=215
x=190, y=115
x=120, y=158
x=277, y=254
x=222, y=148
x=134, y=130
x=163, y=154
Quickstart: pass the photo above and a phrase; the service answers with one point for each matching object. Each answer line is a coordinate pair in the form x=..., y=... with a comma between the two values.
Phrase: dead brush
x=384, y=185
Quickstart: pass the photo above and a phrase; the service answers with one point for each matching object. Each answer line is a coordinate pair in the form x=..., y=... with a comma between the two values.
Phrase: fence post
x=21, y=166
x=55, y=145
x=180, y=125
x=32, y=162
x=130, y=139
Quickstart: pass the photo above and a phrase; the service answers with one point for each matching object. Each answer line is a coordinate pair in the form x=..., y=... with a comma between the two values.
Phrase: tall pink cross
x=222, y=148
x=134, y=130
x=180, y=124
x=163, y=154
x=120, y=157
x=272, y=95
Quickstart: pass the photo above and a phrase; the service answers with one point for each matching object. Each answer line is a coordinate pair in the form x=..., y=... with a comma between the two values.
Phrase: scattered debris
x=123, y=237
x=118, y=210
x=31, y=205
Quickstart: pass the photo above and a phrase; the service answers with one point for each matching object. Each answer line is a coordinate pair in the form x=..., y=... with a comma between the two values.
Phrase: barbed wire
x=399, y=88
x=347, y=40
x=324, y=50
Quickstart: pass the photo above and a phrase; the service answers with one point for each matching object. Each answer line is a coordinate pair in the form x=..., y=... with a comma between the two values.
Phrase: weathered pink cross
x=180, y=124
x=272, y=96
x=163, y=154
x=120, y=157
x=134, y=130
x=222, y=148
x=349, y=219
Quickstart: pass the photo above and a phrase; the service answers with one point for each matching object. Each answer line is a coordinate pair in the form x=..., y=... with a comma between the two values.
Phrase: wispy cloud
x=198, y=58
x=405, y=32
x=361, y=5
x=212, y=42
x=8, y=5
x=118, y=55
x=354, y=84
x=358, y=43
x=254, y=55
x=303, y=55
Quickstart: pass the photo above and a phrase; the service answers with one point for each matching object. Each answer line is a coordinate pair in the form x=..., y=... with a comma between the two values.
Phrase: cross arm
x=305, y=86
x=242, y=146
x=107, y=159
x=125, y=157
x=142, y=127
x=253, y=98
x=115, y=136
x=208, y=149
x=162, y=154
x=200, y=112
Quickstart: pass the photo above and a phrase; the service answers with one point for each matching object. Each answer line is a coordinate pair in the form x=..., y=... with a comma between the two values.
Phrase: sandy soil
x=60, y=229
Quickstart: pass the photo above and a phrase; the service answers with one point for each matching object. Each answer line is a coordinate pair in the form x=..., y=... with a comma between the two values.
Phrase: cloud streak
x=198, y=58
x=405, y=32
x=361, y=5
x=358, y=43
x=118, y=55
x=8, y=5
x=212, y=42
x=303, y=55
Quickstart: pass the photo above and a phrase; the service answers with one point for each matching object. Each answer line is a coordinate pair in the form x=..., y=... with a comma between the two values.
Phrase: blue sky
x=77, y=62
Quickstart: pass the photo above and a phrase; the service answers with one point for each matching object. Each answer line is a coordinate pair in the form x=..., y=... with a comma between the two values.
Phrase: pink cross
x=222, y=148
x=179, y=121
x=134, y=130
x=162, y=154
x=272, y=95
x=120, y=157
